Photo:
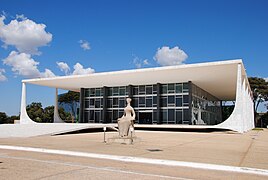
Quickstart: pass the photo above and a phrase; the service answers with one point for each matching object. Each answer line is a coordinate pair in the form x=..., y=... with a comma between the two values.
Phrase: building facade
x=185, y=95
x=171, y=103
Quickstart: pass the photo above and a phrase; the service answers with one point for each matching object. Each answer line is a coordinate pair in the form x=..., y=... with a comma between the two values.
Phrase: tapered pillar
x=24, y=118
x=57, y=118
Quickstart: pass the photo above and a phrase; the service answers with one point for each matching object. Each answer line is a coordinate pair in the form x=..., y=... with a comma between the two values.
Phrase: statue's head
x=128, y=100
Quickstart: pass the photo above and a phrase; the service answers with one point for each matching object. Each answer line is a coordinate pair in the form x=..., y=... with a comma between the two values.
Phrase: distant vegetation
x=46, y=115
x=5, y=119
x=259, y=88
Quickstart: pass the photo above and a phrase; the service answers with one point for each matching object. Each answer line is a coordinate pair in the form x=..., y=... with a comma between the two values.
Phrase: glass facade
x=153, y=104
x=206, y=109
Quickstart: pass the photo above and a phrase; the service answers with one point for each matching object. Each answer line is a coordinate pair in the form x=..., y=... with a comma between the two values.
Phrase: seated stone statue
x=127, y=120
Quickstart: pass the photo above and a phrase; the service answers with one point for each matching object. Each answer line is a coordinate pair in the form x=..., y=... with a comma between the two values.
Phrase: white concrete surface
x=39, y=129
x=133, y=159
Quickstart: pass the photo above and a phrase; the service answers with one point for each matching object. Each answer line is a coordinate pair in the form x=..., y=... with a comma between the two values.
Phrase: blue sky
x=117, y=35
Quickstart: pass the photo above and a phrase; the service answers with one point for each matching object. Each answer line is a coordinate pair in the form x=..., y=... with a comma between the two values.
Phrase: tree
x=35, y=111
x=46, y=115
x=259, y=88
x=70, y=99
x=3, y=118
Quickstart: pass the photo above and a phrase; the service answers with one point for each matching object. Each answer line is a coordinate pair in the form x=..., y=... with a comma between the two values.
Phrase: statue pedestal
x=123, y=140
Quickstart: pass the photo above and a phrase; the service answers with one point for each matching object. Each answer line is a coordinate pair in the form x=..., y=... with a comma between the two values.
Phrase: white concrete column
x=24, y=118
x=241, y=118
x=57, y=118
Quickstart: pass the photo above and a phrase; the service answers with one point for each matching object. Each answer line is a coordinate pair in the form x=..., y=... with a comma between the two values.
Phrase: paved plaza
x=157, y=155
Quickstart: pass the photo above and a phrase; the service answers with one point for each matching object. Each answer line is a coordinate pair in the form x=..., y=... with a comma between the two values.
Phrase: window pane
x=154, y=88
x=171, y=115
x=115, y=91
x=171, y=88
x=122, y=91
x=91, y=115
x=171, y=99
x=185, y=99
x=86, y=104
x=149, y=102
x=141, y=89
x=98, y=92
x=92, y=102
x=115, y=114
x=110, y=91
x=149, y=90
x=178, y=88
x=154, y=99
x=178, y=117
x=135, y=91
x=142, y=100
x=178, y=101
x=122, y=103
x=135, y=102
x=97, y=103
x=186, y=115
x=164, y=89
x=164, y=116
x=92, y=92
x=115, y=101
x=87, y=93
x=185, y=87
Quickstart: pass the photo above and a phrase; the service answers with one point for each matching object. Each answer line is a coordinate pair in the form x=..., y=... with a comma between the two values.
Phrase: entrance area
x=145, y=118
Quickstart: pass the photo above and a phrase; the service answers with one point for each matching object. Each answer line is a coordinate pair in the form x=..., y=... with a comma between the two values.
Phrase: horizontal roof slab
x=218, y=78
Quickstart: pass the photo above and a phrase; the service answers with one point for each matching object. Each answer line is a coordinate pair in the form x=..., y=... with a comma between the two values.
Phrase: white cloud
x=84, y=44
x=2, y=76
x=26, y=35
x=20, y=17
x=48, y=73
x=23, y=64
x=64, y=67
x=266, y=79
x=166, y=56
x=138, y=62
x=145, y=62
x=79, y=70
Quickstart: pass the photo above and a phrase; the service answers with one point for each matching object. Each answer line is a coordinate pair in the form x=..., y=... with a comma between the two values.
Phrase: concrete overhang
x=218, y=78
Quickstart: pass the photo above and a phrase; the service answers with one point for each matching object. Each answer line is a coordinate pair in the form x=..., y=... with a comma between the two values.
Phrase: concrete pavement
x=230, y=149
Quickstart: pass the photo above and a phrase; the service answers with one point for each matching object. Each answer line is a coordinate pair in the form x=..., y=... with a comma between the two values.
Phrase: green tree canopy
x=46, y=115
x=259, y=88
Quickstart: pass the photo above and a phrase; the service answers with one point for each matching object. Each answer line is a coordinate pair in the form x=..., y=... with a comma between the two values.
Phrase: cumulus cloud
x=2, y=76
x=23, y=64
x=166, y=56
x=266, y=79
x=138, y=62
x=64, y=67
x=26, y=35
x=48, y=73
x=84, y=44
x=79, y=70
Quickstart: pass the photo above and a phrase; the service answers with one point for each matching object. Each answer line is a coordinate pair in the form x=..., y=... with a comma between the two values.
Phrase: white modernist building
x=186, y=95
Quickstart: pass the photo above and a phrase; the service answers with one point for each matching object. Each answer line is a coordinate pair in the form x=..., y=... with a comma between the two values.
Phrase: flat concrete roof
x=218, y=78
